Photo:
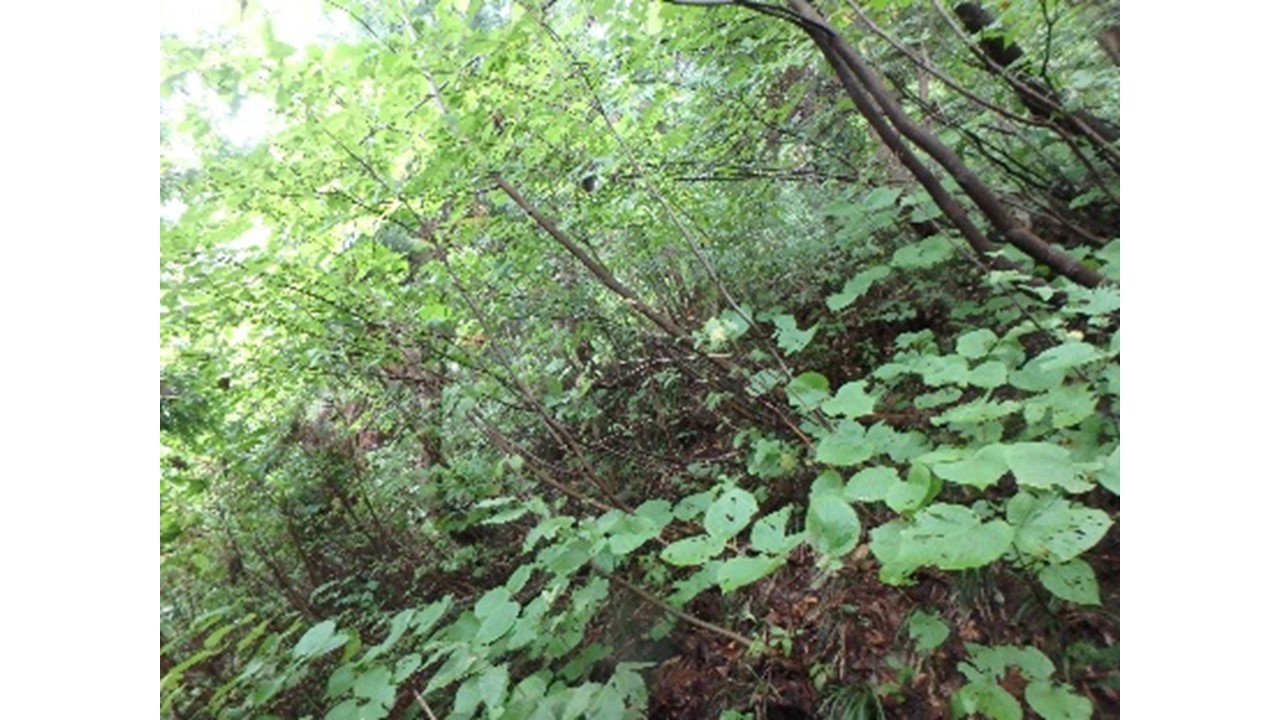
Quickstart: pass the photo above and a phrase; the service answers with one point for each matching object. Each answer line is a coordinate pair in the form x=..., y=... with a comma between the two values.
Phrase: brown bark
x=861, y=81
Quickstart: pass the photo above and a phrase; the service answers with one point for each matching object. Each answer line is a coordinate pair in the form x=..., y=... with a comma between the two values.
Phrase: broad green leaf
x=1052, y=528
x=886, y=545
x=459, y=662
x=987, y=698
x=764, y=381
x=952, y=537
x=692, y=506
x=828, y=481
x=939, y=370
x=376, y=686
x=927, y=630
x=518, y=579
x=1073, y=581
x=497, y=613
x=978, y=411
x=341, y=680
x=1042, y=466
x=1071, y=404
x=1055, y=701
x=851, y=401
x=923, y=254
x=580, y=698
x=988, y=375
x=632, y=531
x=466, y=700
x=1068, y=355
x=870, y=485
x=320, y=639
x=845, y=446
x=1034, y=377
x=975, y=344
x=880, y=198
x=856, y=286
x=348, y=709
x=567, y=558
x=981, y=470
x=693, y=551
x=491, y=685
x=831, y=525
x=1109, y=476
x=740, y=571
x=910, y=495
x=427, y=617
x=790, y=338
x=769, y=534
x=730, y=513
x=807, y=391
x=609, y=703
x=926, y=401
x=406, y=666
x=527, y=628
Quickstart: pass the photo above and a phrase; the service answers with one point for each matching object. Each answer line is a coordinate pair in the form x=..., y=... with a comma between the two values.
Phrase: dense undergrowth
x=599, y=361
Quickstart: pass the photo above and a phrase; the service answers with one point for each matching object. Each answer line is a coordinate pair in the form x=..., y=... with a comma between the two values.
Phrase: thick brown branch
x=840, y=53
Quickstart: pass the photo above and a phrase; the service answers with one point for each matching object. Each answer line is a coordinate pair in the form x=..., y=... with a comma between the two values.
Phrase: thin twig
x=674, y=611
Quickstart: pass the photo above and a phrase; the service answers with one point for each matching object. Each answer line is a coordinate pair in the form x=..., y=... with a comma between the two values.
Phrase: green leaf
x=856, y=286
x=886, y=545
x=497, y=613
x=567, y=558
x=845, y=446
x=769, y=534
x=1071, y=404
x=427, y=617
x=1109, y=476
x=730, y=513
x=1042, y=466
x=1072, y=581
x=981, y=470
x=320, y=639
x=880, y=198
x=979, y=411
x=466, y=700
x=764, y=381
x=1057, y=702
x=740, y=571
x=1052, y=528
x=341, y=680
x=851, y=401
x=939, y=370
x=1068, y=355
x=459, y=662
x=989, y=699
x=923, y=254
x=632, y=531
x=910, y=495
x=927, y=630
x=807, y=391
x=693, y=551
x=975, y=344
x=406, y=666
x=952, y=537
x=375, y=685
x=831, y=525
x=1035, y=377
x=925, y=401
x=491, y=685
x=790, y=338
x=870, y=485
x=348, y=709
x=988, y=375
